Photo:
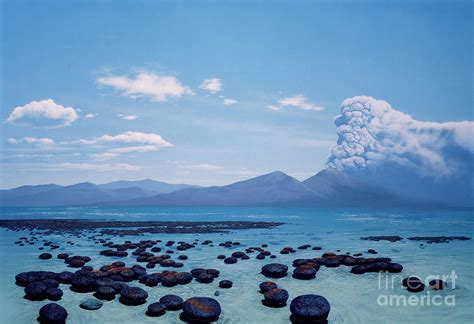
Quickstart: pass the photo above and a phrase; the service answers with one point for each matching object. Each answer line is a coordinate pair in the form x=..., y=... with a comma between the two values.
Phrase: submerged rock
x=91, y=304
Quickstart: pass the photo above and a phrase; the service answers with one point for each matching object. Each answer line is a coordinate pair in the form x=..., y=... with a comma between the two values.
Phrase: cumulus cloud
x=298, y=101
x=130, y=137
x=91, y=115
x=43, y=113
x=211, y=85
x=156, y=87
x=229, y=102
x=371, y=133
x=151, y=142
x=127, y=117
x=98, y=167
x=32, y=140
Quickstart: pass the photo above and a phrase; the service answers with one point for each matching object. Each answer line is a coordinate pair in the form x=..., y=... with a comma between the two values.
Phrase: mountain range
x=85, y=193
x=328, y=188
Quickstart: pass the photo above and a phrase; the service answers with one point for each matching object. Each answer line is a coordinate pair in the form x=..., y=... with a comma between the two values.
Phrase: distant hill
x=327, y=188
x=149, y=185
x=341, y=189
x=275, y=188
x=84, y=193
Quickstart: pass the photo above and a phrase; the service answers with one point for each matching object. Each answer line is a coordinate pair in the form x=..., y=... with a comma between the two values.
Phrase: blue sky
x=133, y=73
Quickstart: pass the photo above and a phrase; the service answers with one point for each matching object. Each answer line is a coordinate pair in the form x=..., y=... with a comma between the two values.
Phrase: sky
x=209, y=92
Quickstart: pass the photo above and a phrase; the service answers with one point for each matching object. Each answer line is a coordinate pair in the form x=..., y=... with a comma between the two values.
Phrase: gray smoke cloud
x=372, y=134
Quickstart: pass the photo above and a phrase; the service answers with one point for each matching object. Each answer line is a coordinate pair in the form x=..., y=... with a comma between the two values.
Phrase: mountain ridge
x=327, y=188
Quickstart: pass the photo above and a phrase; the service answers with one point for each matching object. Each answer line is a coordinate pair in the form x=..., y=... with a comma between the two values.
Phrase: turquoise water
x=353, y=299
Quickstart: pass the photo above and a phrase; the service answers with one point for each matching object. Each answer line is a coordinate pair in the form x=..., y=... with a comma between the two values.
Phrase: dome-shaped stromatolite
x=266, y=286
x=309, y=309
x=201, y=310
x=225, y=284
x=133, y=296
x=275, y=297
x=52, y=314
x=155, y=309
x=172, y=302
x=274, y=270
x=304, y=272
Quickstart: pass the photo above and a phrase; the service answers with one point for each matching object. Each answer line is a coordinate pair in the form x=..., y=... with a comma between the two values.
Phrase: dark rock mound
x=83, y=284
x=437, y=284
x=133, y=296
x=65, y=277
x=274, y=270
x=413, y=284
x=275, y=297
x=304, y=272
x=54, y=294
x=230, y=260
x=35, y=291
x=52, y=313
x=309, y=309
x=201, y=310
x=225, y=284
x=394, y=268
x=184, y=278
x=155, y=309
x=266, y=286
x=205, y=278
x=172, y=302
x=45, y=256
x=105, y=293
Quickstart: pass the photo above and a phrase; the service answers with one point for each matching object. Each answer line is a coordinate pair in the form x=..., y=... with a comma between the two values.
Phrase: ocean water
x=353, y=298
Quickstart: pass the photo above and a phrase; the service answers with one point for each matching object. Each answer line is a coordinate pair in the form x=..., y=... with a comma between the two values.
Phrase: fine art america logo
x=441, y=290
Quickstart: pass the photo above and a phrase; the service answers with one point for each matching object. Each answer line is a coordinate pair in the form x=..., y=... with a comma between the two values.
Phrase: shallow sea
x=353, y=298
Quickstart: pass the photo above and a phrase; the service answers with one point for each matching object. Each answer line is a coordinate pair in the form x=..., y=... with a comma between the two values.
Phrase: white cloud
x=134, y=137
x=32, y=140
x=159, y=88
x=202, y=167
x=229, y=102
x=44, y=110
x=298, y=101
x=371, y=133
x=98, y=167
x=211, y=85
x=127, y=117
x=134, y=149
x=104, y=156
x=91, y=115
x=153, y=142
